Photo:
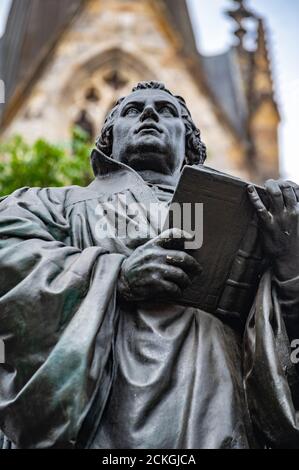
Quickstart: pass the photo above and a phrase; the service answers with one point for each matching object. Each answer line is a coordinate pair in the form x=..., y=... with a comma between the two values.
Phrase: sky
x=4, y=9
x=214, y=35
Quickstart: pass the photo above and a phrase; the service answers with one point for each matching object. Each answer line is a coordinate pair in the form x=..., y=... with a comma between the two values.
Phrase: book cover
x=230, y=254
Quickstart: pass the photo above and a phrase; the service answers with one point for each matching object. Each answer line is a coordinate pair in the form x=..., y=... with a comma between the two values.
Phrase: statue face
x=149, y=133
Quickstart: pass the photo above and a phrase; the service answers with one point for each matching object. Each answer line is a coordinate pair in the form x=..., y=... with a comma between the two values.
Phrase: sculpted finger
x=173, y=239
x=184, y=261
x=261, y=210
x=157, y=273
x=289, y=195
x=295, y=187
x=275, y=196
x=177, y=276
x=168, y=290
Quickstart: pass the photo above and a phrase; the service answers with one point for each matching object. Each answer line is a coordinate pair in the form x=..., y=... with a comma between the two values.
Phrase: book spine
x=240, y=287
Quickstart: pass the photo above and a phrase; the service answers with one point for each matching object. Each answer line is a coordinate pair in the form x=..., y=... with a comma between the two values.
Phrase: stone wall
x=110, y=46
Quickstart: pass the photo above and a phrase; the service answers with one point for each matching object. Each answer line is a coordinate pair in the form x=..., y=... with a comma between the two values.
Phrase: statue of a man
x=99, y=353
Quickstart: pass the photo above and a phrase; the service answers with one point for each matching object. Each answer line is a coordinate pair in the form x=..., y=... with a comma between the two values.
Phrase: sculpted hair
x=195, y=149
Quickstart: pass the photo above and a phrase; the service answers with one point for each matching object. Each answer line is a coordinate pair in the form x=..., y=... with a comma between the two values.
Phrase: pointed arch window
x=115, y=80
x=84, y=122
x=92, y=95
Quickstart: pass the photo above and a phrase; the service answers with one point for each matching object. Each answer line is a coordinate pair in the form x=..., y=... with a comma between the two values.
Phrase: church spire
x=239, y=14
x=261, y=116
x=264, y=85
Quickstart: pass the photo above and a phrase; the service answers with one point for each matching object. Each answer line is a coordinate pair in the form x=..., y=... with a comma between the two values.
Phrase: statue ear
x=105, y=141
x=196, y=152
x=202, y=153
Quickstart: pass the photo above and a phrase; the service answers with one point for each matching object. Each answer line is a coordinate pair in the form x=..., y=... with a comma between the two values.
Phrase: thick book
x=230, y=255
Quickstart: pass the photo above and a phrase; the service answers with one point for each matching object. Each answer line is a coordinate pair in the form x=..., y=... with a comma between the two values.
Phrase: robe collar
x=103, y=165
x=113, y=177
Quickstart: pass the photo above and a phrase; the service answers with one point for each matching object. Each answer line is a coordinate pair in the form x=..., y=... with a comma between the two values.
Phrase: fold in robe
x=57, y=319
x=270, y=377
x=84, y=370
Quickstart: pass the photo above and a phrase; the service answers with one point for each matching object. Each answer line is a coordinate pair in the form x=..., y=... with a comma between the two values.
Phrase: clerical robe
x=84, y=369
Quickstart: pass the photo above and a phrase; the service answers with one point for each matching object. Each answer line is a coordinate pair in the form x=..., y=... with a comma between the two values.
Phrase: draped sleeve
x=57, y=321
x=271, y=379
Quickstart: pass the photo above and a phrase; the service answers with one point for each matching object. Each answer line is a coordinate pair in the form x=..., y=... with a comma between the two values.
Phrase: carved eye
x=166, y=111
x=131, y=111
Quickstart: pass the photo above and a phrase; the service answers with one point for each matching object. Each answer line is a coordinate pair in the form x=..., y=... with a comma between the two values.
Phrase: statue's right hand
x=158, y=270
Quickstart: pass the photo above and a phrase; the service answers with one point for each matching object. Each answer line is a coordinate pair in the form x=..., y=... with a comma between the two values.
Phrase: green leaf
x=44, y=164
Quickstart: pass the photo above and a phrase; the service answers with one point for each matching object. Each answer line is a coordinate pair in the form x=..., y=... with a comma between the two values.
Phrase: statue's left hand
x=280, y=226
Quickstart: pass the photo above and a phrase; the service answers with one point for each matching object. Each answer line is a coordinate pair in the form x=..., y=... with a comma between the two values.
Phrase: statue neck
x=152, y=177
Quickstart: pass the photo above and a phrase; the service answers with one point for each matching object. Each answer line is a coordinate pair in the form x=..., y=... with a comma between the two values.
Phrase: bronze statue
x=99, y=353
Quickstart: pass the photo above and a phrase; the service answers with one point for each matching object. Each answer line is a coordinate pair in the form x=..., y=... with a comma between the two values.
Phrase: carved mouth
x=149, y=128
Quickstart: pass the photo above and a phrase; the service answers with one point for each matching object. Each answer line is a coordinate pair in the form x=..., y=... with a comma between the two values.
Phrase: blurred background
x=65, y=62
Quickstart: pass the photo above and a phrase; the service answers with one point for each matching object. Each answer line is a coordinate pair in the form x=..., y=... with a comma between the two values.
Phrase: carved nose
x=149, y=113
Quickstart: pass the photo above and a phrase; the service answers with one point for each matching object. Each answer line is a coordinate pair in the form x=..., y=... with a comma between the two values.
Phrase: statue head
x=152, y=130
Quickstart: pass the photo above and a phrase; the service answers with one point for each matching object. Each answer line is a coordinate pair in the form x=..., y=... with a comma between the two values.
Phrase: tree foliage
x=43, y=164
